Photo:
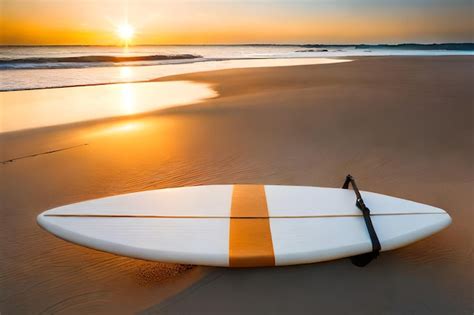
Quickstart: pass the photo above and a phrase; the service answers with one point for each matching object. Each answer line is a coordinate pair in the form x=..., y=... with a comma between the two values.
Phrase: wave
x=86, y=61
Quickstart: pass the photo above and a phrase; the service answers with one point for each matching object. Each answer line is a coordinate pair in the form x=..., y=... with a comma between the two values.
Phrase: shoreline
x=135, y=74
x=393, y=122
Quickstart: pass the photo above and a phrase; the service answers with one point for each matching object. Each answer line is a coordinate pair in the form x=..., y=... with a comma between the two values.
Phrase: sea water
x=32, y=67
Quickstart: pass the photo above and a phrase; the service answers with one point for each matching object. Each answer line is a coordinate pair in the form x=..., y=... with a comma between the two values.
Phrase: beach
x=402, y=126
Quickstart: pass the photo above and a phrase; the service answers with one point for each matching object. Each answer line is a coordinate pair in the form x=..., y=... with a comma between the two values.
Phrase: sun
x=125, y=32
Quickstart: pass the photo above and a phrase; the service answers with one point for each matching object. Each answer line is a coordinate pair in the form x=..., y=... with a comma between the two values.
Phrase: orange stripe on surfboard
x=250, y=241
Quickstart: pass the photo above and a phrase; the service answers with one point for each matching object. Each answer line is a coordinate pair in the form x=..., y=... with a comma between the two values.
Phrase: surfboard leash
x=364, y=259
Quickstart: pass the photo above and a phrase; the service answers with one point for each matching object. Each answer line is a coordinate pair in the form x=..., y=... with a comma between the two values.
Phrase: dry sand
x=403, y=126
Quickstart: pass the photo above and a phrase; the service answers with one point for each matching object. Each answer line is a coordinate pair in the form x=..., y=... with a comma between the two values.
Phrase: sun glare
x=125, y=32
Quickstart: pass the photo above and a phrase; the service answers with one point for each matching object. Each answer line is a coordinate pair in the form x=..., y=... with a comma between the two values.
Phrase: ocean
x=33, y=67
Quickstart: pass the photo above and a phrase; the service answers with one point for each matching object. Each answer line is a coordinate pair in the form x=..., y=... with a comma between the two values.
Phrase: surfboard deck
x=242, y=225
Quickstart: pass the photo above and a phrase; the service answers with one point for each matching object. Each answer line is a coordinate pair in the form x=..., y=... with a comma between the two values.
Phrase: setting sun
x=125, y=32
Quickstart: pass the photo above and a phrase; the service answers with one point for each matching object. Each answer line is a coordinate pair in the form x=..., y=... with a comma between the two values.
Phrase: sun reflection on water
x=49, y=107
x=126, y=73
x=127, y=100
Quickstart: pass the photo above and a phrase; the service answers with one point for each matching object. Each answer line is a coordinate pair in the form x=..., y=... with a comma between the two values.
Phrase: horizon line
x=246, y=44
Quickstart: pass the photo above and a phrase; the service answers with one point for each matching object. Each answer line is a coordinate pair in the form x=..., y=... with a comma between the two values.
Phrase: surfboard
x=242, y=225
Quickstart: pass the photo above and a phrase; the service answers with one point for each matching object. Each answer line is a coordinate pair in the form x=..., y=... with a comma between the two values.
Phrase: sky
x=94, y=22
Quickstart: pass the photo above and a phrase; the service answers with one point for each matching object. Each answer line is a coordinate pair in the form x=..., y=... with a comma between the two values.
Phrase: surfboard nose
x=447, y=219
x=41, y=219
x=44, y=220
x=443, y=219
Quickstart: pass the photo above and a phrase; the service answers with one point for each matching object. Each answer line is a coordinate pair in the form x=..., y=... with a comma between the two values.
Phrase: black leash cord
x=364, y=259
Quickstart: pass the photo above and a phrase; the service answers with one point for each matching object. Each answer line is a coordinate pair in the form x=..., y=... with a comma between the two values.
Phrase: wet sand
x=403, y=126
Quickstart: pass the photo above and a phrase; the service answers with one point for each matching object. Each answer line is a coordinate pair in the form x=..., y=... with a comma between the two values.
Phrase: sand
x=403, y=126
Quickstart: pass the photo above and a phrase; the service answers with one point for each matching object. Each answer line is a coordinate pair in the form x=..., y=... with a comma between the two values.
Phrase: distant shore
x=450, y=46
x=402, y=126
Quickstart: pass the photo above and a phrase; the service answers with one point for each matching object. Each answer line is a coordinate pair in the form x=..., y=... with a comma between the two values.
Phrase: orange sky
x=57, y=22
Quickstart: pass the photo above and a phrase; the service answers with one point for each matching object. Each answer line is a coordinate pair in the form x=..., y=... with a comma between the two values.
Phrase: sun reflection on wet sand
x=49, y=107
x=117, y=128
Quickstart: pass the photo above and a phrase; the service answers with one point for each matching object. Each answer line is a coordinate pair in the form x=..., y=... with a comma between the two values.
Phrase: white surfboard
x=242, y=225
